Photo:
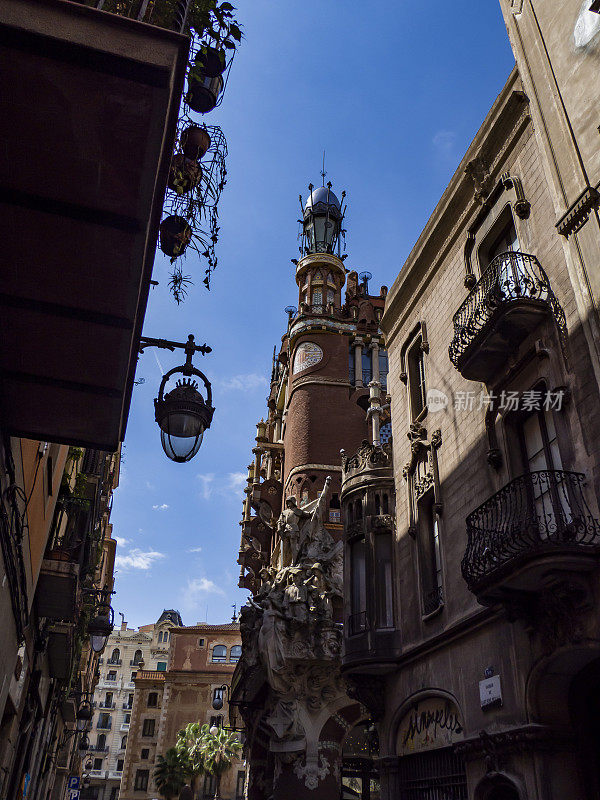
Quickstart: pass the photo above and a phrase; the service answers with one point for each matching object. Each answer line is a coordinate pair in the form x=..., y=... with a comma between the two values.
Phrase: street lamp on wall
x=102, y=620
x=182, y=414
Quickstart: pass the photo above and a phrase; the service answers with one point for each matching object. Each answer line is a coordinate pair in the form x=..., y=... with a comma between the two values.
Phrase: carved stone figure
x=288, y=527
x=295, y=596
x=270, y=643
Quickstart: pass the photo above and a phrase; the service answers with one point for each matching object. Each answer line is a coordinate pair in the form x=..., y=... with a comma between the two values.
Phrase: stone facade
x=127, y=651
x=201, y=662
x=485, y=685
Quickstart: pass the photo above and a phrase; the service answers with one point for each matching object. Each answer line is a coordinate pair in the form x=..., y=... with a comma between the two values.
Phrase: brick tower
x=328, y=388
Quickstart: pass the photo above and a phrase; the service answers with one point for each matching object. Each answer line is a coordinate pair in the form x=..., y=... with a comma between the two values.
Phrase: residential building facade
x=127, y=651
x=484, y=680
x=201, y=662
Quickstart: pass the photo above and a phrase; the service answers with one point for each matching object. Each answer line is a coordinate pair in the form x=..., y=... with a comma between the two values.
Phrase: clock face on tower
x=307, y=355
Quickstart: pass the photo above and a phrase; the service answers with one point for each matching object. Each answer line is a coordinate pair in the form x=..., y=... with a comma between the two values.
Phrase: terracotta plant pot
x=203, y=91
x=194, y=142
x=184, y=175
x=212, y=62
x=175, y=235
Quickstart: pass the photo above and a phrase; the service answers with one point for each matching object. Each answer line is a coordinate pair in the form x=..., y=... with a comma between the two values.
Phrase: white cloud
x=242, y=383
x=195, y=550
x=206, y=485
x=196, y=591
x=444, y=142
x=121, y=541
x=237, y=482
x=162, y=507
x=137, y=559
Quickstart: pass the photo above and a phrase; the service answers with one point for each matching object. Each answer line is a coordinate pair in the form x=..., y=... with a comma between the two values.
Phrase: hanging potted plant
x=175, y=235
x=203, y=91
x=184, y=175
x=195, y=142
x=211, y=60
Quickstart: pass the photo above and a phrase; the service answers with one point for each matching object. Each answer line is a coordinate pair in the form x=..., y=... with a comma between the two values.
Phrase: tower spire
x=323, y=173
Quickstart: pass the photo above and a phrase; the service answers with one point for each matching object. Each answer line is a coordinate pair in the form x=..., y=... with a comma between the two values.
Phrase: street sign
x=490, y=692
x=73, y=782
x=72, y=794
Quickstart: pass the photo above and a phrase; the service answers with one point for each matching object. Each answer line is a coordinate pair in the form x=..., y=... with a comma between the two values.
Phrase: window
x=144, y=754
x=120, y=765
x=104, y=721
x=97, y=763
x=148, y=727
x=383, y=581
x=130, y=701
x=160, y=636
x=216, y=721
x=358, y=586
x=127, y=719
x=546, y=494
x=133, y=674
x=334, y=508
x=141, y=780
x=200, y=642
x=351, y=365
x=166, y=636
x=108, y=700
x=112, y=675
x=240, y=785
x=367, y=366
x=383, y=368
x=113, y=793
x=416, y=379
x=161, y=666
x=429, y=555
x=101, y=742
x=152, y=700
x=235, y=653
x=115, y=656
x=137, y=658
x=219, y=654
x=124, y=742
x=317, y=299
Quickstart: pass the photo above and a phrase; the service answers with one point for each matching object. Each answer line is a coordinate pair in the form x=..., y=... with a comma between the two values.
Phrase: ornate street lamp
x=322, y=220
x=182, y=414
x=84, y=743
x=84, y=713
x=101, y=624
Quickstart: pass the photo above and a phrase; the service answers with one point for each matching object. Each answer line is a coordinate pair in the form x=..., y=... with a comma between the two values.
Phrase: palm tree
x=170, y=773
x=189, y=747
x=219, y=748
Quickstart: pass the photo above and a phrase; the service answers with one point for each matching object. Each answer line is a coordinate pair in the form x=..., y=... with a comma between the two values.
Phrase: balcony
x=115, y=774
x=104, y=726
x=116, y=662
x=82, y=216
x=508, y=302
x=134, y=663
x=97, y=773
x=56, y=593
x=124, y=727
x=537, y=524
x=127, y=707
x=106, y=706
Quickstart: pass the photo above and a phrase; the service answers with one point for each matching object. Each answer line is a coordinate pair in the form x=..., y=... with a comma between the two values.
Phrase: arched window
x=101, y=742
x=160, y=636
x=137, y=657
x=330, y=278
x=219, y=654
x=235, y=654
x=166, y=637
x=124, y=742
x=116, y=655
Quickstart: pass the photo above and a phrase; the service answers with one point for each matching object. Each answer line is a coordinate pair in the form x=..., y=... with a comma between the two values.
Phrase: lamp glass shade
x=180, y=448
x=99, y=628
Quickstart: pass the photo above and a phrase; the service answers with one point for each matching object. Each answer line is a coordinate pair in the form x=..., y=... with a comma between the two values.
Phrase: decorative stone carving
x=478, y=171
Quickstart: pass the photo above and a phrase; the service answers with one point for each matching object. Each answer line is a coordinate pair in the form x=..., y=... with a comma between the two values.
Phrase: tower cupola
x=322, y=217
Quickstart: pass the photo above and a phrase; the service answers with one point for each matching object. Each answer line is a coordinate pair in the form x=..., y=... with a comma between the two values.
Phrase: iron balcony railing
x=538, y=512
x=357, y=623
x=511, y=277
x=432, y=600
x=162, y=13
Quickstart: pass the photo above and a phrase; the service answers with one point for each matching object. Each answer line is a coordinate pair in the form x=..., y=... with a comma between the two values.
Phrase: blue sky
x=393, y=92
